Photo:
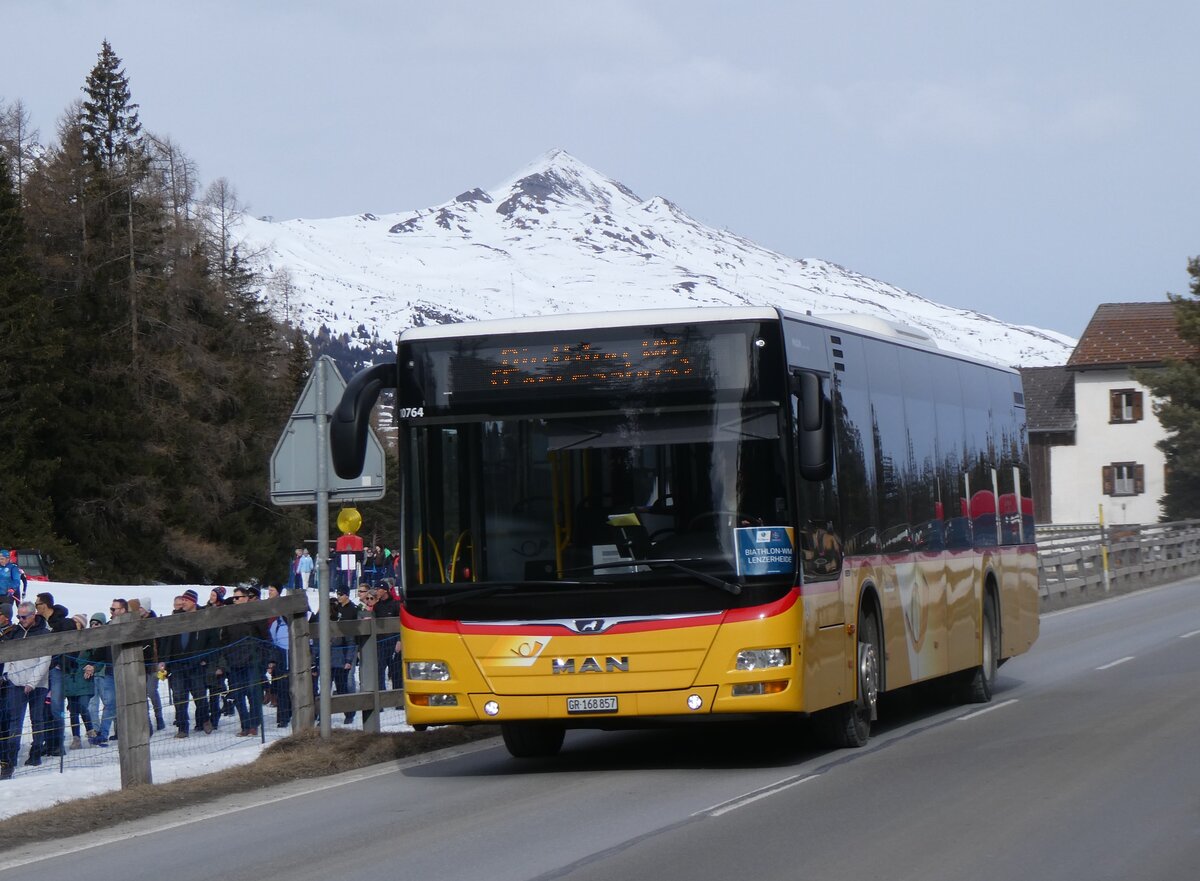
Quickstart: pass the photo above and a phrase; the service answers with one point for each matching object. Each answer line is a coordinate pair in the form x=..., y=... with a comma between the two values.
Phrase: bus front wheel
x=532, y=740
x=849, y=725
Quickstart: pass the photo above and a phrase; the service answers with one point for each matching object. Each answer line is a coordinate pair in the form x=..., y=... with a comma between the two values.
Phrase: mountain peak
x=560, y=236
x=557, y=176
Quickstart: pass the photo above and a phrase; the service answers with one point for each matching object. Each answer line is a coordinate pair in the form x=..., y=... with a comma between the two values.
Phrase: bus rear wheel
x=849, y=725
x=532, y=740
x=978, y=684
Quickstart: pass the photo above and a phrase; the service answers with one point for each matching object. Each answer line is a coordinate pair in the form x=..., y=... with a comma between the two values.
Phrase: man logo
x=590, y=665
x=592, y=625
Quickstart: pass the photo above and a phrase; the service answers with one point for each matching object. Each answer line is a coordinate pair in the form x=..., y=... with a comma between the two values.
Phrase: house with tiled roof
x=1092, y=430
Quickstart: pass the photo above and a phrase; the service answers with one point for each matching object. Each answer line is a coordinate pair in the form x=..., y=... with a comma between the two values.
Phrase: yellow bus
x=634, y=518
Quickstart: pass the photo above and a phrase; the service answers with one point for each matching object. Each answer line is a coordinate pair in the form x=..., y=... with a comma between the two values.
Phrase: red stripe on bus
x=753, y=613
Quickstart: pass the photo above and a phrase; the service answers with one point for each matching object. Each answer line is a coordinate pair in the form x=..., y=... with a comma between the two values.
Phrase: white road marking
x=749, y=798
x=1190, y=635
x=987, y=709
x=1112, y=664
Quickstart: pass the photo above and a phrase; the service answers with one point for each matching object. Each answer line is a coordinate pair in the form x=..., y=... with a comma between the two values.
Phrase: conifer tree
x=111, y=128
x=1177, y=386
x=28, y=389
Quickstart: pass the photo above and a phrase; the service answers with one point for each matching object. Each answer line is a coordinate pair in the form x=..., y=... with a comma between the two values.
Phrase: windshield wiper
x=711, y=580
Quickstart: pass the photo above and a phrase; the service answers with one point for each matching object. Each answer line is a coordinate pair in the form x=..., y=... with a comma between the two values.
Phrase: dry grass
x=298, y=757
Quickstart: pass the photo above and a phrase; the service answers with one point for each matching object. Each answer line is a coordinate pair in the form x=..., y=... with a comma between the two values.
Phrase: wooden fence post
x=369, y=673
x=133, y=715
x=300, y=673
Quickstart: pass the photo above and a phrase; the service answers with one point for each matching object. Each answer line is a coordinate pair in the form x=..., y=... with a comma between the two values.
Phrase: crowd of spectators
x=212, y=674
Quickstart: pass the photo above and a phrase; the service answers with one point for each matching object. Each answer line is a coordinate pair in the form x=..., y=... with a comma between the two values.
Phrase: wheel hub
x=868, y=679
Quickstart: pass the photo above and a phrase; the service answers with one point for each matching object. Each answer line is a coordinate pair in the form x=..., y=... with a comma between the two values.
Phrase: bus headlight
x=427, y=671
x=762, y=659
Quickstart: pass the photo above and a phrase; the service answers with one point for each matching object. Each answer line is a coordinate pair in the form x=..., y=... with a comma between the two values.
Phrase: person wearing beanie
x=99, y=669
x=150, y=653
x=185, y=657
x=78, y=688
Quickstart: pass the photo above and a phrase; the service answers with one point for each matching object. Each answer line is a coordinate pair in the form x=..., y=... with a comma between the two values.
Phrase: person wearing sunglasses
x=28, y=684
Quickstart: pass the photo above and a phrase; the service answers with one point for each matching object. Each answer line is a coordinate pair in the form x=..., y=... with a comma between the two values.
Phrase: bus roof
x=860, y=323
x=591, y=320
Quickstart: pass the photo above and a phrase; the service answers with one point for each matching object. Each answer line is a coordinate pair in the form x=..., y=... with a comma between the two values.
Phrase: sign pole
x=324, y=673
x=301, y=474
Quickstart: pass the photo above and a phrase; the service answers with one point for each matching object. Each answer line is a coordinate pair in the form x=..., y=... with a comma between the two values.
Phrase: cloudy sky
x=1028, y=159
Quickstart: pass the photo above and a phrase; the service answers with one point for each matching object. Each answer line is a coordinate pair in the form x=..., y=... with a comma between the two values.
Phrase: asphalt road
x=1084, y=765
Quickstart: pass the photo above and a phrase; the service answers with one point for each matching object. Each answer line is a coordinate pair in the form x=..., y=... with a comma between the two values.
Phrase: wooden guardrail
x=368, y=700
x=1082, y=563
x=127, y=638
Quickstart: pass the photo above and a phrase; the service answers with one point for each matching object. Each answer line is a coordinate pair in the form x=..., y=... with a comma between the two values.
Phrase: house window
x=1124, y=405
x=1124, y=479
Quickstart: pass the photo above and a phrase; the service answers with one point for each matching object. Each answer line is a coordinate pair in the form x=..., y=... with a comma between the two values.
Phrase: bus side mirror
x=814, y=432
x=352, y=418
x=811, y=402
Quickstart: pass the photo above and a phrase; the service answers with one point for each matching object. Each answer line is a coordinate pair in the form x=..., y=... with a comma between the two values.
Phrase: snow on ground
x=93, y=770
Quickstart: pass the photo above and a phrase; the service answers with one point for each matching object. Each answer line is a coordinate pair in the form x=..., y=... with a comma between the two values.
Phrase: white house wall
x=1076, y=475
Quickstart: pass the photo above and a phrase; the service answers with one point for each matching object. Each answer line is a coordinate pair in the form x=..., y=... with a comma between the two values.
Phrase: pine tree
x=112, y=130
x=1177, y=386
x=28, y=389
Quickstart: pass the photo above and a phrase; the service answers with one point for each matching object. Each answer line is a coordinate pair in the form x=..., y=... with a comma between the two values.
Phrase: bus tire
x=532, y=740
x=978, y=684
x=849, y=725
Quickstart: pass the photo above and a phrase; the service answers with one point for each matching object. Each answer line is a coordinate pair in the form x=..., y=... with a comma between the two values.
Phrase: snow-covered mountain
x=561, y=237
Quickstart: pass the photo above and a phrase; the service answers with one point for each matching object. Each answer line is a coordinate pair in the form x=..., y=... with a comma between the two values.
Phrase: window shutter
x=1139, y=479
x=1137, y=406
x=1107, y=479
x=1114, y=406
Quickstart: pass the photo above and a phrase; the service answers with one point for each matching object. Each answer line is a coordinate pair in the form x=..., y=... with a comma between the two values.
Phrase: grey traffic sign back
x=295, y=471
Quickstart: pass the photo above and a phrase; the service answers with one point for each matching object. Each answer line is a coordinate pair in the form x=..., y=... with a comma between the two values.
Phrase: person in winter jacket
x=78, y=689
x=278, y=633
x=185, y=657
x=58, y=620
x=28, y=684
x=10, y=578
x=98, y=668
x=241, y=658
x=344, y=648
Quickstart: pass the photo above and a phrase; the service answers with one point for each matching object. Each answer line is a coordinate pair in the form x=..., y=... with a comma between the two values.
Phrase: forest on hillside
x=145, y=377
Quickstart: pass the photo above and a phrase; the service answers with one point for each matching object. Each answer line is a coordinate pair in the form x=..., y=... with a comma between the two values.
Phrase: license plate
x=591, y=705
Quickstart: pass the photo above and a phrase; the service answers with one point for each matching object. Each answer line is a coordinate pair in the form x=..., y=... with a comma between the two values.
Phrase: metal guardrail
x=1084, y=560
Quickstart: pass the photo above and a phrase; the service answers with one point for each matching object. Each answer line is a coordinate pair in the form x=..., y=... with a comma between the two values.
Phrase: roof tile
x=1131, y=333
x=1049, y=398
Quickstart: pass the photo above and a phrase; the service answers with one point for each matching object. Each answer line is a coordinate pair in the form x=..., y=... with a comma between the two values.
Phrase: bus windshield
x=620, y=499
